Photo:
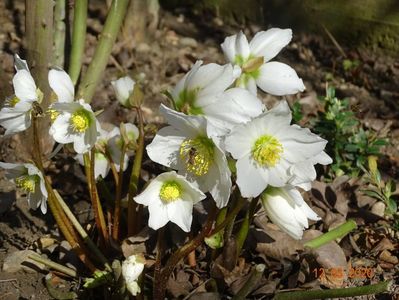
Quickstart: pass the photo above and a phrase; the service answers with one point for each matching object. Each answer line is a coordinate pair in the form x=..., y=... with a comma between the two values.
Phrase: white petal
x=310, y=214
x=234, y=106
x=24, y=86
x=150, y=194
x=101, y=165
x=250, y=179
x=13, y=170
x=279, y=79
x=229, y=47
x=269, y=43
x=59, y=130
x=62, y=85
x=222, y=187
x=180, y=212
x=192, y=126
x=79, y=143
x=164, y=148
x=242, y=46
x=158, y=215
x=210, y=79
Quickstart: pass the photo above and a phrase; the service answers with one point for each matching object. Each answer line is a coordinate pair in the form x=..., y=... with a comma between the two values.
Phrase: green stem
x=117, y=210
x=327, y=237
x=59, y=32
x=372, y=289
x=78, y=39
x=103, y=50
x=250, y=284
x=162, y=279
x=244, y=229
x=53, y=265
x=89, y=161
x=134, y=177
x=81, y=231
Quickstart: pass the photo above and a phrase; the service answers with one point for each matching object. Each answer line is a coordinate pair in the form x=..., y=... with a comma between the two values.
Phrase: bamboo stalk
x=103, y=50
x=59, y=32
x=78, y=39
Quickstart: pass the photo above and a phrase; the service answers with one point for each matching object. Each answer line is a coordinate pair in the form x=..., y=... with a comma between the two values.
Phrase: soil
x=158, y=63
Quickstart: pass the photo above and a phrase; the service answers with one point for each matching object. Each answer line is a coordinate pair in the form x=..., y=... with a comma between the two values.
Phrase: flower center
x=170, y=191
x=80, y=120
x=267, y=151
x=197, y=154
x=27, y=183
x=186, y=102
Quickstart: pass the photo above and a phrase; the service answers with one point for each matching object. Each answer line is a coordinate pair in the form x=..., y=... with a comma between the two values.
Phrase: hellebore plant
x=224, y=145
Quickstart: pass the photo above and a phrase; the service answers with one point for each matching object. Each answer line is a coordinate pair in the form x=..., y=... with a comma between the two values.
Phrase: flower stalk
x=134, y=177
x=78, y=39
x=103, y=50
x=336, y=233
x=244, y=228
x=59, y=32
x=119, y=183
x=95, y=200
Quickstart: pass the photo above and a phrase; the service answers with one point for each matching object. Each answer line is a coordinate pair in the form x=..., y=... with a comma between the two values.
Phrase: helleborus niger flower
x=267, y=147
x=74, y=123
x=286, y=208
x=15, y=116
x=62, y=85
x=170, y=197
x=29, y=179
x=101, y=164
x=123, y=88
x=132, y=268
x=202, y=91
x=185, y=146
x=272, y=77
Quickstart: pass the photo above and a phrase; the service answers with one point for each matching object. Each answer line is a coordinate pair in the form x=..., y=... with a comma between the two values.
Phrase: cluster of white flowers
x=72, y=121
x=220, y=115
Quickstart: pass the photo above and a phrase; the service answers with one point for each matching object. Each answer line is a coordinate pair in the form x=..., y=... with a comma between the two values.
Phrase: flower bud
x=123, y=89
x=132, y=268
x=286, y=208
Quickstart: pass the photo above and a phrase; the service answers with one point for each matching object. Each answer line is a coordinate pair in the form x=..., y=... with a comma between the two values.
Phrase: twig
x=53, y=265
x=334, y=41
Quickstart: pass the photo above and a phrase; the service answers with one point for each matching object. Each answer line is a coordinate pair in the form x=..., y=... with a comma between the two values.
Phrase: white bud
x=132, y=267
x=123, y=88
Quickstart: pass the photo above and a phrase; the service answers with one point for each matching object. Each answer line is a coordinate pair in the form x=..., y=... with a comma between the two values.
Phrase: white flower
x=202, y=91
x=123, y=87
x=115, y=143
x=132, y=268
x=62, y=85
x=15, y=116
x=170, y=197
x=253, y=58
x=75, y=123
x=101, y=164
x=286, y=208
x=185, y=146
x=28, y=178
x=267, y=147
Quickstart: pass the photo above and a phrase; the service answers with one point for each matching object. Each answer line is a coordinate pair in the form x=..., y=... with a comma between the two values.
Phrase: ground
x=158, y=63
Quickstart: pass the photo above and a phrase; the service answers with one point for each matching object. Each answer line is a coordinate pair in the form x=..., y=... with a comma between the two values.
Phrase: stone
x=17, y=261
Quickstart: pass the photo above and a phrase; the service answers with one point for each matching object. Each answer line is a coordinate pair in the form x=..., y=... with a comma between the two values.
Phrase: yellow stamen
x=170, y=191
x=13, y=101
x=197, y=154
x=80, y=120
x=27, y=182
x=267, y=151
